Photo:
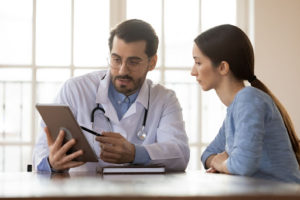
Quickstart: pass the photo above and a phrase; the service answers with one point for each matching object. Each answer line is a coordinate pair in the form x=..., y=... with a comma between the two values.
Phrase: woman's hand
x=211, y=170
x=218, y=162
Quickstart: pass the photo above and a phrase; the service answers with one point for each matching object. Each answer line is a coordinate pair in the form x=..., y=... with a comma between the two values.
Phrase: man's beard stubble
x=123, y=88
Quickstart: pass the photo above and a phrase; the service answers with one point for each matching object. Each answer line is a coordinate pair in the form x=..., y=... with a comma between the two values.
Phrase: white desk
x=189, y=185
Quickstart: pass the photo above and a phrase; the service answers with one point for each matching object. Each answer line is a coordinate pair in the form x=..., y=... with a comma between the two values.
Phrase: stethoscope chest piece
x=141, y=134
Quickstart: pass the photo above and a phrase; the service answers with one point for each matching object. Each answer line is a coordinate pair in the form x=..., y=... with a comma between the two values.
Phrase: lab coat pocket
x=102, y=123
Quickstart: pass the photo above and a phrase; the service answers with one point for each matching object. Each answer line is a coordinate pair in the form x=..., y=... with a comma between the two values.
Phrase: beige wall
x=277, y=51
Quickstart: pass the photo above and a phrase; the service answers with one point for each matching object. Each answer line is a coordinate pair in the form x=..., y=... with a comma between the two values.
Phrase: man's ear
x=152, y=62
x=224, y=68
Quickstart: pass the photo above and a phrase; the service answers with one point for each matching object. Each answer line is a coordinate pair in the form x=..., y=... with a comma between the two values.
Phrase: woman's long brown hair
x=285, y=116
x=229, y=43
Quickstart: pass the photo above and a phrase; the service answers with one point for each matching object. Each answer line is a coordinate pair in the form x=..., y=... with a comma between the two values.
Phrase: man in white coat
x=129, y=103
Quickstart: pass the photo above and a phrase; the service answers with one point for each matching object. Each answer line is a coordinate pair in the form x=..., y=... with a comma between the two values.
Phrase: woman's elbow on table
x=242, y=168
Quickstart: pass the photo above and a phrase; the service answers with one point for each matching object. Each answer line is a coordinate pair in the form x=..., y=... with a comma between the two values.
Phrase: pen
x=90, y=131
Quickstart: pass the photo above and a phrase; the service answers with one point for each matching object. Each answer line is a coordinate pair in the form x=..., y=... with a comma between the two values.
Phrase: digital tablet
x=57, y=117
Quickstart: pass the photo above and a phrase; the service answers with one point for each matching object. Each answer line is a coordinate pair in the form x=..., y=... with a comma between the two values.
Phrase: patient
x=257, y=137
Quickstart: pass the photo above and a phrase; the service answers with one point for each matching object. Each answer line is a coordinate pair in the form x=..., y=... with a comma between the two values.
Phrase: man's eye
x=116, y=60
x=198, y=63
x=133, y=63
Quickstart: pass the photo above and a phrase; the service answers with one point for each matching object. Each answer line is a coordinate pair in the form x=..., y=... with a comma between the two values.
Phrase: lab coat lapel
x=103, y=99
x=142, y=99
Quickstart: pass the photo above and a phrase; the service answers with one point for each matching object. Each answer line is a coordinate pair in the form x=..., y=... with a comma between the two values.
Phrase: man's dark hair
x=136, y=30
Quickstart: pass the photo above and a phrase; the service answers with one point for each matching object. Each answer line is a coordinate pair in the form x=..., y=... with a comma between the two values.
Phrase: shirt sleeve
x=141, y=155
x=44, y=165
x=249, y=120
x=215, y=147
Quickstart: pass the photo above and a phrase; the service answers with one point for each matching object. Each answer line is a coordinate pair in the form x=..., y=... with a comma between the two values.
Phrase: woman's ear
x=224, y=68
x=152, y=62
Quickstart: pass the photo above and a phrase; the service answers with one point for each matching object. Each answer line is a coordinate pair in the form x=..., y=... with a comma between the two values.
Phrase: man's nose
x=123, y=68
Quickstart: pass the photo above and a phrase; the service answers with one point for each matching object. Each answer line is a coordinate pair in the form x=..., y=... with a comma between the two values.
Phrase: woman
x=257, y=137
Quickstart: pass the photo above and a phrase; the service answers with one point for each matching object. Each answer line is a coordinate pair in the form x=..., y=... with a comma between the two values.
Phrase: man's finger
x=108, y=140
x=110, y=148
x=111, y=134
x=72, y=164
x=59, y=140
x=108, y=155
x=49, y=137
x=72, y=156
x=109, y=160
x=66, y=147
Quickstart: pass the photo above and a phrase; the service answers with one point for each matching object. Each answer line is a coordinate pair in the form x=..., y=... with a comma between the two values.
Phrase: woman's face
x=206, y=74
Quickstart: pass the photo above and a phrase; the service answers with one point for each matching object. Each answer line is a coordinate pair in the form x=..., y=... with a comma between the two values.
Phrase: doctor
x=140, y=122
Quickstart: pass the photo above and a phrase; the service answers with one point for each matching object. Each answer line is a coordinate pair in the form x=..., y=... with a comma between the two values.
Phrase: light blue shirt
x=255, y=138
x=120, y=102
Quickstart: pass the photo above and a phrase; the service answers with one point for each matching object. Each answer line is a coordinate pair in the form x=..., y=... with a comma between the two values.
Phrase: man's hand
x=115, y=148
x=58, y=159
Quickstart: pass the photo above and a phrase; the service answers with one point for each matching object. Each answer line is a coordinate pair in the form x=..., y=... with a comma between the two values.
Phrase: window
x=177, y=23
x=39, y=50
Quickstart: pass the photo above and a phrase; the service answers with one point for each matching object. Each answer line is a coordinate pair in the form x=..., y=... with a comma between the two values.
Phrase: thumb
x=49, y=137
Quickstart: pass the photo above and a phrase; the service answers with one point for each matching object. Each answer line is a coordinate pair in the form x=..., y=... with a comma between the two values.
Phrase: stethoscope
x=141, y=134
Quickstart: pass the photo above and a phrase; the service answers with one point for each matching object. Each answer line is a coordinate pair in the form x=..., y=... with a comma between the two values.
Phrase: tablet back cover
x=58, y=117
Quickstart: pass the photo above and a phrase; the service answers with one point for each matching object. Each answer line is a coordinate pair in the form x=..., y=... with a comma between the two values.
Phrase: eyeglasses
x=132, y=64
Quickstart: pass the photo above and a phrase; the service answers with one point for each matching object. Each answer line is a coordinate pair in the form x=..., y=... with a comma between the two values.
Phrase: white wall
x=277, y=51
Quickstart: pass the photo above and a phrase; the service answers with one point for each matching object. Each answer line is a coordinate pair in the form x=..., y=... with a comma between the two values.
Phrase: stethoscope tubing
x=94, y=110
x=98, y=107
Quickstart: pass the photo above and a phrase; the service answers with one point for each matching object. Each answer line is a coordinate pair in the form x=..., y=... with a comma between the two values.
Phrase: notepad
x=133, y=169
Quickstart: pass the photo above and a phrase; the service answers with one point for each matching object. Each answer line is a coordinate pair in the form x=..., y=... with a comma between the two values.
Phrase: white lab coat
x=166, y=140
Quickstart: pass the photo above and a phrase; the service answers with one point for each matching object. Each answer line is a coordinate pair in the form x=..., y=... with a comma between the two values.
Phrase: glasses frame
x=135, y=66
